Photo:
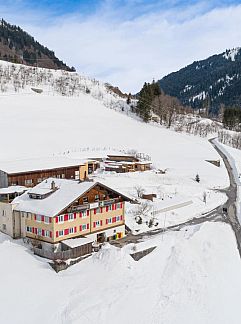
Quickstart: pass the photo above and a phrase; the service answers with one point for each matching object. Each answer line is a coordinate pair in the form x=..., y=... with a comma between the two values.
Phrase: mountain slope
x=17, y=46
x=185, y=273
x=210, y=82
x=21, y=79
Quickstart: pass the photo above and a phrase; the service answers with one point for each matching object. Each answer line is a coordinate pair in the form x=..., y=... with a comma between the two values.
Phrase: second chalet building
x=30, y=172
x=60, y=209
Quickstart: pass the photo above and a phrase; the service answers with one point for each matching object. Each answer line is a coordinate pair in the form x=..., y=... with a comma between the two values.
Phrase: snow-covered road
x=232, y=193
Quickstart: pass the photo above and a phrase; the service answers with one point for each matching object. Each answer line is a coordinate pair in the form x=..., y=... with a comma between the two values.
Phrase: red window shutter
x=50, y=234
x=107, y=208
x=94, y=224
x=74, y=215
x=101, y=209
x=80, y=228
x=75, y=229
x=121, y=205
x=114, y=219
x=121, y=218
x=101, y=223
x=42, y=232
x=113, y=207
x=50, y=220
x=80, y=214
x=66, y=231
x=66, y=217
x=33, y=230
x=88, y=226
x=95, y=211
x=106, y=221
x=42, y=218
x=57, y=233
x=35, y=217
x=88, y=213
x=56, y=219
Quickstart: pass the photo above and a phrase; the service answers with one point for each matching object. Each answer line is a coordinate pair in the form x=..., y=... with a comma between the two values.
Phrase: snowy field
x=193, y=276
x=234, y=156
x=40, y=125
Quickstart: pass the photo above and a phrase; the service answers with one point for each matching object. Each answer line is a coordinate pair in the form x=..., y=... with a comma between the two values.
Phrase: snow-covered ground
x=38, y=125
x=173, y=190
x=234, y=157
x=193, y=276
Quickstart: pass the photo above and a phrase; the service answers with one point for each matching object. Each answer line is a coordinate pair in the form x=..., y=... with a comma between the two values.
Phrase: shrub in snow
x=139, y=191
x=197, y=178
x=138, y=220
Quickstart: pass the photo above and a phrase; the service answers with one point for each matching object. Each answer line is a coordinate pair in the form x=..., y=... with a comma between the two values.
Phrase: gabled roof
x=12, y=190
x=68, y=191
x=38, y=164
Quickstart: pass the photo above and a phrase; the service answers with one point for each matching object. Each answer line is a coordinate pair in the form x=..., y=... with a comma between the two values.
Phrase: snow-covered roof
x=75, y=242
x=12, y=190
x=113, y=163
x=67, y=192
x=37, y=164
x=40, y=191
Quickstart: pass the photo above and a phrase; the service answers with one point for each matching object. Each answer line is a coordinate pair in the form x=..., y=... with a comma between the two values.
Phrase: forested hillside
x=210, y=83
x=17, y=46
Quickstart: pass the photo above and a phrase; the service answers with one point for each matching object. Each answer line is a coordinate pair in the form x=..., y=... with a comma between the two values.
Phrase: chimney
x=53, y=187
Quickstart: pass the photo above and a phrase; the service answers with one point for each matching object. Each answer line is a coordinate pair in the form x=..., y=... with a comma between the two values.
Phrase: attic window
x=85, y=200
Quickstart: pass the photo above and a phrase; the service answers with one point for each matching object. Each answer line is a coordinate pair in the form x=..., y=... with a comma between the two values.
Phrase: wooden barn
x=30, y=172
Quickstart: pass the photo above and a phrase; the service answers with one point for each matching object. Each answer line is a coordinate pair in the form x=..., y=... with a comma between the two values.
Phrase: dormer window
x=42, y=192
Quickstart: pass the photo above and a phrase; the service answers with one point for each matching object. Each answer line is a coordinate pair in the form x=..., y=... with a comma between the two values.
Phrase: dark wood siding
x=38, y=176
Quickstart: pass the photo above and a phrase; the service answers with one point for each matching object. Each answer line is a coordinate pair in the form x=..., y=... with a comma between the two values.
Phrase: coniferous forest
x=17, y=46
x=211, y=83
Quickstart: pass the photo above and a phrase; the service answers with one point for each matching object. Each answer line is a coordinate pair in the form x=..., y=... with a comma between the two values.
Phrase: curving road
x=231, y=192
x=216, y=215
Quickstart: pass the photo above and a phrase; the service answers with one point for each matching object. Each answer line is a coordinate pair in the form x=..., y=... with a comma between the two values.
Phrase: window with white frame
x=85, y=200
x=97, y=197
x=71, y=230
x=38, y=218
x=118, y=218
x=28, y=182
x=109, y=220
x=46, y=220
x=84, y=227
x=71, y=217
x=39, y=231
x=98, y=210
x=61, y=218
x=61, y=233
x=76, y=175
x=47, y=233
x=84, y=214
x=119, y=206
x=29, y=229
x=97, y=223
